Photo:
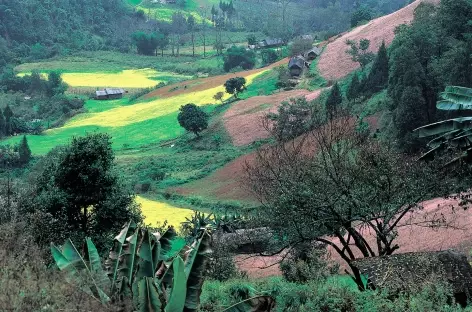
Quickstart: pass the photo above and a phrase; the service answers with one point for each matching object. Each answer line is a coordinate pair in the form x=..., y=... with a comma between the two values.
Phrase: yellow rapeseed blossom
x=126, y=115
x=157, y=212
x=133, y=78
x=130, y=78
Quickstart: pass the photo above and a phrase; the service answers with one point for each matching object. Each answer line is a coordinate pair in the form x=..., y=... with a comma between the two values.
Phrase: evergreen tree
x=24, y=151
x=334, y=100
x=378, y=77
x=193, y=118
x=354, y=89
x=2, y=124
x=8, y=120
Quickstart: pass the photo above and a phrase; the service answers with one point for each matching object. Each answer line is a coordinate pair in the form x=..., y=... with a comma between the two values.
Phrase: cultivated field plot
x=130, y=78
x=156, y=213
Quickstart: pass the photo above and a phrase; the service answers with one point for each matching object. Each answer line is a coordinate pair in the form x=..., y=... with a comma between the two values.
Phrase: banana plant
x=451, y=133
x=153, y=269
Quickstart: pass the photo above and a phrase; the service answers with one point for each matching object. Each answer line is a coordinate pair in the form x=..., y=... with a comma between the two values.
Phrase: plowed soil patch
x=335, y=63
x=203, y=84
x=243, y=121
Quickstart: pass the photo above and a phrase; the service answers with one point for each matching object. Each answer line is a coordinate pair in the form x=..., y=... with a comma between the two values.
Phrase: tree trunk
x=193, y=44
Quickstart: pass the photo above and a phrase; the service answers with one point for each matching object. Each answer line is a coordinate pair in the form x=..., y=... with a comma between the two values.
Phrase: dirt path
x=203, y=84
x=335, y=63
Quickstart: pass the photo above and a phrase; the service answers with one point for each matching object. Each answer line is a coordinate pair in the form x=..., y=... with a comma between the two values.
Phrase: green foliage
x=334, y=101
x=359, y=52
x=451, y=133
x=24, y=151
x=251, y=40
x=77, y=184
x=354, y=89
x=300, y=46
x=378, y=75
x=292, y=119
x=361, y=15
x=146, y=43
x=269, y=56
x=235, y=86
x=193, y=118
x=306, y=262
x=141, y=265
x=238, y=56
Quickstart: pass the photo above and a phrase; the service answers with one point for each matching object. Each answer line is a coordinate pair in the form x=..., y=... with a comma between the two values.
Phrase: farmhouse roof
x=101, y=93
x=296, y=61
x=114, y=91
x=315, y=50
x=411, y=271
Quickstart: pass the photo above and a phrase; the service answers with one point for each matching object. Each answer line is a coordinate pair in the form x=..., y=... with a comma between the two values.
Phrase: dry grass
x=28, y=284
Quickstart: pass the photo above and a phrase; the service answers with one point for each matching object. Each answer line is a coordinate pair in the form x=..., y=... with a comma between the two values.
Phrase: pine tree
x=2, y=124
x=24, y=151
x=8, y=120
x=353, y=91
x=334, y=100
x=378, y=77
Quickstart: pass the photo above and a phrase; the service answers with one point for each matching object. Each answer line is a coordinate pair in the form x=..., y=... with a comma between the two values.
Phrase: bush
x=239, y=56
x=305, y=263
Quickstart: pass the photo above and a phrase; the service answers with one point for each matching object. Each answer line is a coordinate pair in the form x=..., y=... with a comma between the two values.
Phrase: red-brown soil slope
x=243, y=120
x=335, y=63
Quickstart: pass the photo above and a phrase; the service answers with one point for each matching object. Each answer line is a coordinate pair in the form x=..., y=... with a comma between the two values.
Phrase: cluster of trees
x=15, y=156
x=75, y=192
x=239, y=57
x=38, y=29
x=32, y=102
x=432, y=52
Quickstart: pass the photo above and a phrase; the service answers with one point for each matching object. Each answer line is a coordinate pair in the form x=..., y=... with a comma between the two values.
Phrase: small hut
x=412, y=271
x=109, y=94
x=296, y=66
x=312, y=54
x=270, y=43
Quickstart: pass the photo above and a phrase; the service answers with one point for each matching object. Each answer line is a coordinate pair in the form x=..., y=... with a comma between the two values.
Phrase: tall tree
x=78, y=184
x=378, y=76
x=8, y=113
x=334, y=101
x=2, y=124
x=191, y=27
x=24, y=151
x=337, y=187
x=354, y=88
x=178, y=28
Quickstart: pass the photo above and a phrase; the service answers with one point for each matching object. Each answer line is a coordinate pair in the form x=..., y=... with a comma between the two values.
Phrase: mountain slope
x=335, y=63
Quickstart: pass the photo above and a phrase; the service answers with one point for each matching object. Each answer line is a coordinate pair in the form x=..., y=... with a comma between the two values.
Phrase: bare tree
x=335, y=185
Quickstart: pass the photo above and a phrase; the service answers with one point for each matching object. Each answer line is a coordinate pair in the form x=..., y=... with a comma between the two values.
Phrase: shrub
x=239, y=56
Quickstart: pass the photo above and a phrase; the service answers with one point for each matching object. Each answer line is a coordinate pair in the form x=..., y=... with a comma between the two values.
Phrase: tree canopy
x=192, y=118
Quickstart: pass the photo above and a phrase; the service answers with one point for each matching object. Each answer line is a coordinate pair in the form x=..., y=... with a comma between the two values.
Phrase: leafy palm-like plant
x=156, y=271
x=451, y=133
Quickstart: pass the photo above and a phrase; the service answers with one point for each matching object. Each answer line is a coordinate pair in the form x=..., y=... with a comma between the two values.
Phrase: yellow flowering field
x=130, y=78
x=125, y=115
x=157, y=212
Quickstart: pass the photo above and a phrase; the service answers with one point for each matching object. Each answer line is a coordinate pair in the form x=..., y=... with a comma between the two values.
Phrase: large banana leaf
x=69, y=260
x=195, y=266
x=444, y=127
x=113, y=262
x=455, y=98
x=176, y=301
x=148, y=252
x=166, y=244
x=92, y=258
x=256, y=304
x=146, y=295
